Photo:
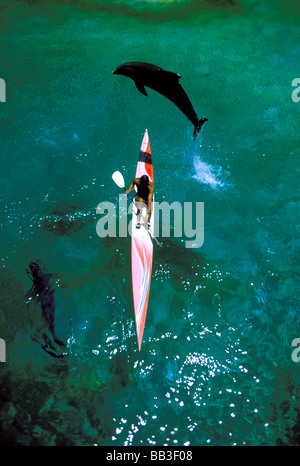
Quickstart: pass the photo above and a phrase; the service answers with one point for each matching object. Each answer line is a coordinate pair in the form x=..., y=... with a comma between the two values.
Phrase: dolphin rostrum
x=164, y=82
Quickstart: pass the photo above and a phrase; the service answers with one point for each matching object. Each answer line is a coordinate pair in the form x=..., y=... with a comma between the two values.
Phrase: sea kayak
x=142, y=248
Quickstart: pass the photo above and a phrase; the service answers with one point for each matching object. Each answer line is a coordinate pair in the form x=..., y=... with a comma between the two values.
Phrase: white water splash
x=207, y=174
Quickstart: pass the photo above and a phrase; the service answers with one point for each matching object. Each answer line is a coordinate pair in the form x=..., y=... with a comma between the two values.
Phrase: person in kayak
x=145, y=189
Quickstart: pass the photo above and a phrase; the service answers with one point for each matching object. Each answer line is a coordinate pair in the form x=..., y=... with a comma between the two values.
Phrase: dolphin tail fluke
x=198, y=127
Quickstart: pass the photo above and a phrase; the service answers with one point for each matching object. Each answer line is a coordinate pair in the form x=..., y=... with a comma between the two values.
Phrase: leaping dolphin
x=164, y=82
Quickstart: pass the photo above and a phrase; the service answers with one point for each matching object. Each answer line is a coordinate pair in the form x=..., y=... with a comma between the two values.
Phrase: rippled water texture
x=215, y=366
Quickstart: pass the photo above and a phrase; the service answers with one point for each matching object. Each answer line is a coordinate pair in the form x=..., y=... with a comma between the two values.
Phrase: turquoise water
x=215, y=366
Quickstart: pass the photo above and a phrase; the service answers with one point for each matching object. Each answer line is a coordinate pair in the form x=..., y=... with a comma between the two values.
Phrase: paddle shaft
x=130, y=197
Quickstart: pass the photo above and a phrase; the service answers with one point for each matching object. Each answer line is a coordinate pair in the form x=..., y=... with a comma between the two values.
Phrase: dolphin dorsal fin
x=141, y=88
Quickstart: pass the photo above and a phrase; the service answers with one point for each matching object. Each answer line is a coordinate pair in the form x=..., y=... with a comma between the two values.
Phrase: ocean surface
x=216, y=363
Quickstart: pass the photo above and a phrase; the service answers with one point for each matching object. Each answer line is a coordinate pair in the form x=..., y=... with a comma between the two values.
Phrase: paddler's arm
x=131, y=186
x=150, y=197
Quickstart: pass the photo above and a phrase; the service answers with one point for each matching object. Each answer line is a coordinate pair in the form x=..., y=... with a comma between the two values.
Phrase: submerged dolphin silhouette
x=42, y=295
x=164, y=82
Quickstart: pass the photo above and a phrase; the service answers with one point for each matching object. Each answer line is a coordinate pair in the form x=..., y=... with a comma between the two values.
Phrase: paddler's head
x=144, y=180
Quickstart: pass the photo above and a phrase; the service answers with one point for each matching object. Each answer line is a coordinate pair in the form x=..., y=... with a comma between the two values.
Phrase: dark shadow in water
x=284, y=405
x=166, y=10
x=160, y=11
x=63, y=219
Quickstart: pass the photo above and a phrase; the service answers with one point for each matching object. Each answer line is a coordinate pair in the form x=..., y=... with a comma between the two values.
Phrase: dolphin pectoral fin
x=141, y=88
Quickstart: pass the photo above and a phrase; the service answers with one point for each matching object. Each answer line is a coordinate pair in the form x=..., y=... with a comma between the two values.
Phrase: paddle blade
x=118, y=179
